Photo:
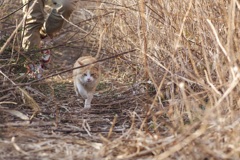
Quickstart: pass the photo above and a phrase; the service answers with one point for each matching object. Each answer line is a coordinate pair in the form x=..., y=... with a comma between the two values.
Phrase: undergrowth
x=179, y=87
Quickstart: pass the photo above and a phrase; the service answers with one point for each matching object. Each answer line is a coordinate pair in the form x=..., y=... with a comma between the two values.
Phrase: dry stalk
x=170, y=72
x=15, y=31
x=219, y=42
x=113, y=124
x=17, y=147
x=28, y=100
x=183, y=143
x=86, y=127
x=11, y=37
x=212, y=85
x=143, y=35
x=232, y=85
x=192, y=61
x=158, y=94
x=186, y=101
x=71, y=23
x=182, y=25
x=231, y=28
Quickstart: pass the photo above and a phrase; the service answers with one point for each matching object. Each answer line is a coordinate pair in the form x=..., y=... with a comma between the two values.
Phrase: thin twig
x=15, y=10
x=182, y=25
x=113, y=124
x=218, y=40
x=15, y=31
x=212, y=85
x=67, y=70
x=143, y=36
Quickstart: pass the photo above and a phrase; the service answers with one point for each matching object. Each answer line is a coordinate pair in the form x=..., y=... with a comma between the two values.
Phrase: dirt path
x=55, y=131
x=63, y=130
x=62, y=124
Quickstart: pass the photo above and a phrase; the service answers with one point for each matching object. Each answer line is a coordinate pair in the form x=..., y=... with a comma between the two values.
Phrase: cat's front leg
x=80, y=90
x=88, y=101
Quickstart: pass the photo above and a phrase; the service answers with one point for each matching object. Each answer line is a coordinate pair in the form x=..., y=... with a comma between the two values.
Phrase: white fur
x=59, y=4
x=82, y=85
x=84, y=81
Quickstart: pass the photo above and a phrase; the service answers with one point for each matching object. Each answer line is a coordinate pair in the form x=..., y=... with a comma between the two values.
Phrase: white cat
x=86, y=79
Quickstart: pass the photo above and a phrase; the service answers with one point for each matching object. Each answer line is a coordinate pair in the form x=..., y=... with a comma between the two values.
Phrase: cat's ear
x=80, y=63
x=96, y=66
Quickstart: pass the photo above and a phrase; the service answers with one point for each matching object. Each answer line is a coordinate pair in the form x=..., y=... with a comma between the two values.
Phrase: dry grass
x=175, y=97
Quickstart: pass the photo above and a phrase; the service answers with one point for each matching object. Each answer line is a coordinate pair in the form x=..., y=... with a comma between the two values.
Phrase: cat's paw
x=87, y=106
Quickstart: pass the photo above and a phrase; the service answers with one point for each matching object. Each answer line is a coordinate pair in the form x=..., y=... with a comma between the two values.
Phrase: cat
x=86, y=79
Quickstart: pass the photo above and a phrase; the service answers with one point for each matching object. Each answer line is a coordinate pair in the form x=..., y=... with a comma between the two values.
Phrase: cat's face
x=90, y=75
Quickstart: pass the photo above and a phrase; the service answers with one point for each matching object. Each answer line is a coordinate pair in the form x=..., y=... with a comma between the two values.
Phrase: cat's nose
x=89, y=80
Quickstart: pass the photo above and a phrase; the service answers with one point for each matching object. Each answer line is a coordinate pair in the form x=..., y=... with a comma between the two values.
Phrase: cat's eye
x=85, y=74
x=93, y=75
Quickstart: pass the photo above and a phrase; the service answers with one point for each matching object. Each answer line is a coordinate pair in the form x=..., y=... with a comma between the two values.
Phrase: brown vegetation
x=175, y=97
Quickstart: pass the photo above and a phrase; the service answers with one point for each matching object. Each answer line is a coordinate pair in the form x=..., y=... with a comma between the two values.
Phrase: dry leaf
x=17, y=114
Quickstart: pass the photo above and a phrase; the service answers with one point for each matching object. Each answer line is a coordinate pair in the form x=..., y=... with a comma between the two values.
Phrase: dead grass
x=185, y=107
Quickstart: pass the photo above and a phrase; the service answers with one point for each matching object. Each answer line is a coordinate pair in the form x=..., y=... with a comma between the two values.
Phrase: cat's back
x=84, y=60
